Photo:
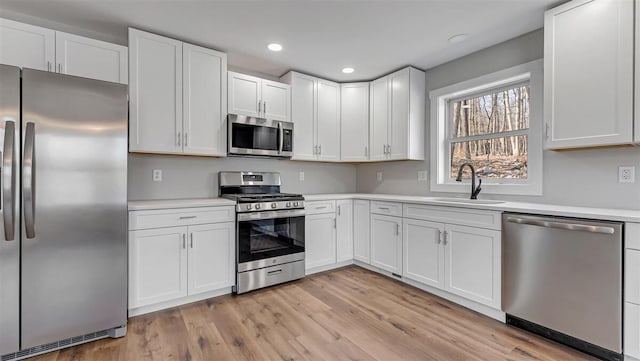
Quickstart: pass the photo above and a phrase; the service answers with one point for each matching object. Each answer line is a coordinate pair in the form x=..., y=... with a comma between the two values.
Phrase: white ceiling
x=319, y=37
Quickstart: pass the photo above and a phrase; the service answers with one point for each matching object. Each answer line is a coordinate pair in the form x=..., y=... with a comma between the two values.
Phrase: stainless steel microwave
x=259, y=137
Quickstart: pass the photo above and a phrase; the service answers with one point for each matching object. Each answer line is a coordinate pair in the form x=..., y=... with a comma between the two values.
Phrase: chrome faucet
x=474, y=191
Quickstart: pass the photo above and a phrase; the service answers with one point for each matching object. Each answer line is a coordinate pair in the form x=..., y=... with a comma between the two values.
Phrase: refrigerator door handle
x=29, y=180
x=9, y=180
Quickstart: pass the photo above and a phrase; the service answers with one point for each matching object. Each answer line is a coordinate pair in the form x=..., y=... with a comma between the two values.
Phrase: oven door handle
x=280, y=138
x=270, y=215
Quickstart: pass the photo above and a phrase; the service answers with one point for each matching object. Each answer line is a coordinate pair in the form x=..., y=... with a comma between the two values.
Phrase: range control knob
x=274, y=205
x=258, y=206
x=295, y=204
x=249, y=207
x=288, y=204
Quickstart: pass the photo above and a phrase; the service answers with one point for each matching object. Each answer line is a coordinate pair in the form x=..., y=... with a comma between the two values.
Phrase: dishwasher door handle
x=561, y=225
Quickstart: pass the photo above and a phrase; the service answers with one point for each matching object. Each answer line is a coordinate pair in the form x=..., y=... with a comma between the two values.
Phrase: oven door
x=265, y=237
x=260, y=137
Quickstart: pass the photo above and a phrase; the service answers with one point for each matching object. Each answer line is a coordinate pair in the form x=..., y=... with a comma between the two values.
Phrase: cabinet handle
x=259, y=106
x=178, y=138
x=187, y=217
x=184, y=241
x=439, y=236
x=444, y=238
x=384, y=208
x=191, y=237
x=48, y=66
x=397, y=229
x=320, y=149
x=60, y=68
x=339, y=209
x=186, y=139
x=264, y=107
x=335, y=223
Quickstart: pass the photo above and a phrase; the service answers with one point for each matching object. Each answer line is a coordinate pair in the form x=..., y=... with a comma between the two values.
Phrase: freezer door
x=9, y=209
x=74, y=193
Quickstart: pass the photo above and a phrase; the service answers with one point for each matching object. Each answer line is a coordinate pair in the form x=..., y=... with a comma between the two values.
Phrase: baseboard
x=329, y=267
x=178, y=302
x=477, y=307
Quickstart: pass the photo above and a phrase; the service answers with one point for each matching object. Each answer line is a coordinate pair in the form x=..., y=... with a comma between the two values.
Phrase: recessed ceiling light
x=458, y=38
x=274, y=47
x=347, y=70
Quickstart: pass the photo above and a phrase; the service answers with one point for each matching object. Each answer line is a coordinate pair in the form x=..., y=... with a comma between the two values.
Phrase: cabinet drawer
x=387, y=208
x=180, y=217
x=632, y=276
x=318, y=207
x=462, y=216
x=631, y=330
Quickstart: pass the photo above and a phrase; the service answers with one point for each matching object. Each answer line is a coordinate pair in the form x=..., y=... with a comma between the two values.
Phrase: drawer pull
x=274, y=272
x=323, y=207
x=188, y=217
x=384, y=208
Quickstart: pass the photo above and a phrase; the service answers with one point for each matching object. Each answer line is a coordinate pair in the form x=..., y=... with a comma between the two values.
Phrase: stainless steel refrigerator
x=63, y=199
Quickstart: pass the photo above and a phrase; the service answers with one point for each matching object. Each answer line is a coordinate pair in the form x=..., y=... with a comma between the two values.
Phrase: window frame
x=441, y=99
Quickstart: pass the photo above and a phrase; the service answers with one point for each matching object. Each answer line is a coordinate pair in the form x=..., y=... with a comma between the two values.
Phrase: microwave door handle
x=280, y=138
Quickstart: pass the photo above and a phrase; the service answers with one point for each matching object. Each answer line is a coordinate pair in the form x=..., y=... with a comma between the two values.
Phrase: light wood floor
x=346, y=314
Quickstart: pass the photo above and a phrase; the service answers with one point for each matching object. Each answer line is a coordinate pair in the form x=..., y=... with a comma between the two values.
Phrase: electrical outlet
x=301, y=175
x=157, y=175
x=379, y=176
x=422, y=175
x=626, y=174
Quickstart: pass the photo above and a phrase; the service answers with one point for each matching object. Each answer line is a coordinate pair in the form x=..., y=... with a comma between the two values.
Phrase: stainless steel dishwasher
x=562, y=278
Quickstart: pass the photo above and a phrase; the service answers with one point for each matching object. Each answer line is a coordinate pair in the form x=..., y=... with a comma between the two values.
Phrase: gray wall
x=193, y=177
x=578, y=178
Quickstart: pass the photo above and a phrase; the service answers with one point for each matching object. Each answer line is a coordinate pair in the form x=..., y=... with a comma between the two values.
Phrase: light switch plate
x=157, y=175
x=301, y=175
x=626, y=174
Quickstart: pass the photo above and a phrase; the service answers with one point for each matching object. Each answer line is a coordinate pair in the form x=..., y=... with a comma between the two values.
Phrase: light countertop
x=623, y=215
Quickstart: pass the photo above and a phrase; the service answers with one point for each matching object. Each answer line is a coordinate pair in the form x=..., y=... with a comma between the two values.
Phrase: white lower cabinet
x=344, y=230
x=172, y=265
x=361, y=231
x=423, y=259
x=386, y=243
x=157, y=265
x=320, y=240
x=473, y=263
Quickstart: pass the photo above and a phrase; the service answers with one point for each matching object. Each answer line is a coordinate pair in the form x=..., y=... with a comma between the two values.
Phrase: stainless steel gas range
x=269, y=229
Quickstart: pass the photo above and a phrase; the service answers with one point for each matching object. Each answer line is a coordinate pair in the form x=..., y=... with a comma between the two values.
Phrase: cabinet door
x=473, y=264
x=354, y=122
x=90, y=58
x=26, y=46
x=244, y=94
x=155, y=90
x=423, y=252
x=276, y=98
x=344, y=230
x=361, y=230
x=320, y=240
x=386, y=243
x=212, y=257
x=205, y=104
x=588, y=69
x=303, y=110
x=379, y=119
x=157, y=265
x=328, y=121
x=399, y=121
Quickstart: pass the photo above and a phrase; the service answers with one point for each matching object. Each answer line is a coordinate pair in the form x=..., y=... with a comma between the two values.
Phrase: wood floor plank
x=345, y=314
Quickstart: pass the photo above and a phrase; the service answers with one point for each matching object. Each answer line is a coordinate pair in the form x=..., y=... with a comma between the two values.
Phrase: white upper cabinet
x=328, y=121
x=204, y=108
x=244, y=94
x=177, y=97
x=398, y=116
x=344, y=230
x=354, y=120
x=89, y=58
x=255, y=97
x=315, y=112
x=26, y=45
x=276, y=100
x=588, y=74
x=155, y=91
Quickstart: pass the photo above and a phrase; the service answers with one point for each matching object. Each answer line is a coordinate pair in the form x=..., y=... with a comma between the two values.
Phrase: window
x=493, y=122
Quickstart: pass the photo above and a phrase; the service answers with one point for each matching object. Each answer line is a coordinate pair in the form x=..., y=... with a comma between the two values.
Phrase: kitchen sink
x=467, y=201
